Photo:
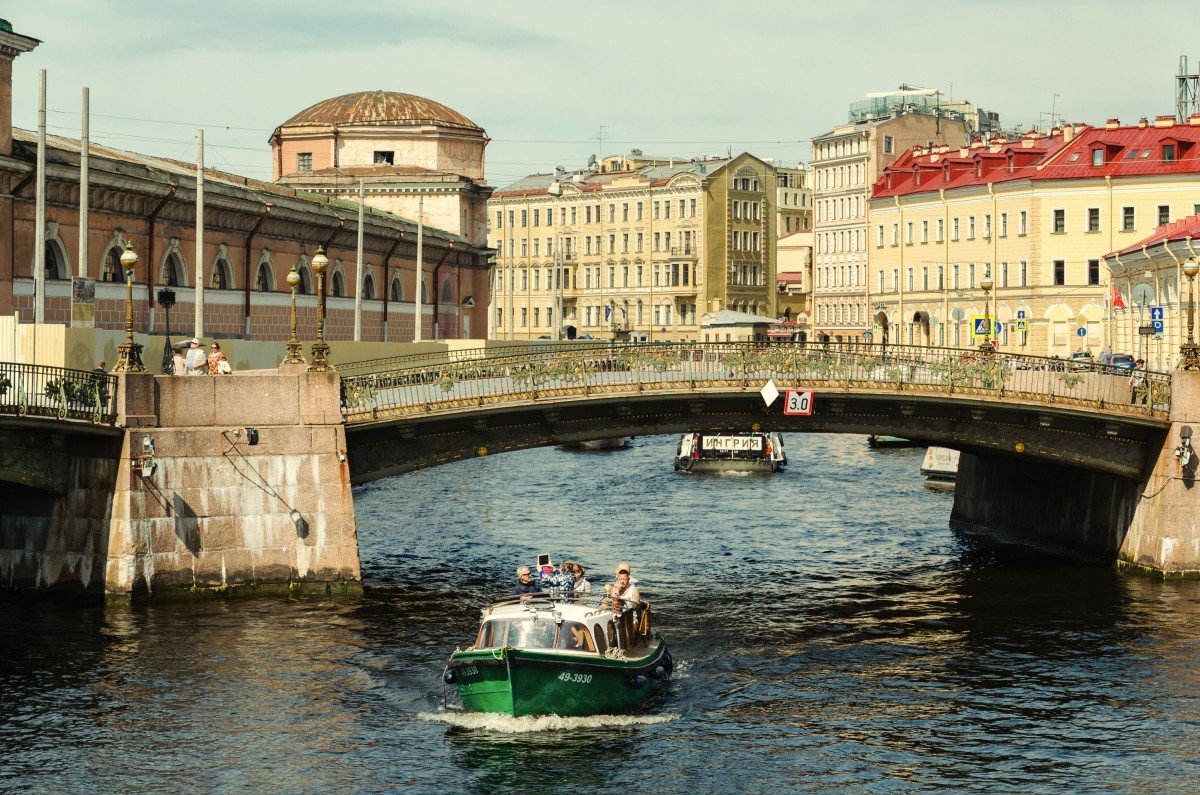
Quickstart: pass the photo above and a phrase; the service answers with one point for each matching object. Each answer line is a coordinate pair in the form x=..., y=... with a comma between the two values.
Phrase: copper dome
x=379, y=108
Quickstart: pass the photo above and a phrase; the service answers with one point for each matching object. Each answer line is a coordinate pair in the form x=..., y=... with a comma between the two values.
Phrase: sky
x=547, y=78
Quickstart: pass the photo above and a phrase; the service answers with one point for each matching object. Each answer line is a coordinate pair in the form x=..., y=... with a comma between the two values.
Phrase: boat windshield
x=575, y=637
x=522, y=633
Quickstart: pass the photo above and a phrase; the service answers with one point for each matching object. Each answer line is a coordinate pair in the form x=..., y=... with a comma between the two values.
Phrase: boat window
x=601, y=643
x=575, y=637
x=529, y=634
x=492, y=634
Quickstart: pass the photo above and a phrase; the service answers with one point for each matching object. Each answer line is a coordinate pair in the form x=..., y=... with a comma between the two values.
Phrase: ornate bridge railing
x=34, y=390
x=564, y=371
x=437, y=358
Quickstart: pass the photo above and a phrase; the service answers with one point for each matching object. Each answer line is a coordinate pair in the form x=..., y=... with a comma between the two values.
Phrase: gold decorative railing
x=566, y=371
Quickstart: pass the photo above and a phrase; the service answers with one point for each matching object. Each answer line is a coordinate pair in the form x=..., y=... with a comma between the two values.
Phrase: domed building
x=406, y=149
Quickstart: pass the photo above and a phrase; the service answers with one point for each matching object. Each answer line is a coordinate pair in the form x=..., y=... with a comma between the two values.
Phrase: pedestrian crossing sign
x=979, y=328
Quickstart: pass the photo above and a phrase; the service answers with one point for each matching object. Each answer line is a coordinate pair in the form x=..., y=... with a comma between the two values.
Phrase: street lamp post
x=129, y=353
x=166, y=299
x=986, y=285
x=320, y=349
x=1190, y=350
x=294, y=356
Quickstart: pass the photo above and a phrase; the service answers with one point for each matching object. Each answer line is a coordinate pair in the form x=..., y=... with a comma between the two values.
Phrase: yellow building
x=793, y=201
x=793, y=285
x=846, y=162
x=1031, y=220
x=636, y=253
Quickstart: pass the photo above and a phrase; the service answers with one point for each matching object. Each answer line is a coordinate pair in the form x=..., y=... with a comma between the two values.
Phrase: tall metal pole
x=84, y=185
x=420, y=268
x=358, y=268
x=39, y=243
x=199, y=234
x=1190, y=351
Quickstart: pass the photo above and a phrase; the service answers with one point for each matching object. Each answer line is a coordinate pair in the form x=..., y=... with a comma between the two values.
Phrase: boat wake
x=506, y=724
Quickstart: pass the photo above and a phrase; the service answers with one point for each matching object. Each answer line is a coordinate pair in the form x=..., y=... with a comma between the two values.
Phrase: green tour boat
x=544, y=654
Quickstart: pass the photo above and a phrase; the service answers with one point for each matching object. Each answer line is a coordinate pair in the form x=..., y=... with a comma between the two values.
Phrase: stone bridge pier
x=215, y=484
x=1149, y=524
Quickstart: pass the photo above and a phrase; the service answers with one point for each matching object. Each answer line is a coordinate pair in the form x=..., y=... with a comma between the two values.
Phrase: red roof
x=1127, y=151
x=790, y=276
x=1184, y=229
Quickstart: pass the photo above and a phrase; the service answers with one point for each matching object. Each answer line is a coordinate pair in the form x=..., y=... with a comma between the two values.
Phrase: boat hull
x=521, y=682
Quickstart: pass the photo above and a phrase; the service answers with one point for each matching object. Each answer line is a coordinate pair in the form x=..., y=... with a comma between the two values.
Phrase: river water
x=831, y=634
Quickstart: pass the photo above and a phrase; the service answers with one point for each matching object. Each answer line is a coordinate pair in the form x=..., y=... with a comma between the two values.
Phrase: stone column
x=249, y=488
x=1164, y=536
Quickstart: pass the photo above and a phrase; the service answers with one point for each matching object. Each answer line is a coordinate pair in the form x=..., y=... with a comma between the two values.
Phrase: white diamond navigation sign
x=769, y=392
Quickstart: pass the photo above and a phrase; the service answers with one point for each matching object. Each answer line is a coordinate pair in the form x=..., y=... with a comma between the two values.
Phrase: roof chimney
x=11, y=45
x=1068, y=132
x=1194, y=120
x=1112, y=124
x=1143, y=123
x=1164, y=121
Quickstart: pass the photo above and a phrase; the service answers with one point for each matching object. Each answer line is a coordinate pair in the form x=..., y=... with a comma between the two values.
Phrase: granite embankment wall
x=221, y=509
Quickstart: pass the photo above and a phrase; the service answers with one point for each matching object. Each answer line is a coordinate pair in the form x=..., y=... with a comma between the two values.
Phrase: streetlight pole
x=294, y=355
x=320, y=349
x=129, y=353
x=986, y=285
x=1191, y=351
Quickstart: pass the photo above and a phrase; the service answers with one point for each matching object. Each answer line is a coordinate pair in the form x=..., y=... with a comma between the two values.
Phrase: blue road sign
x=1158, y=325
x=1020, y=313
x=1156, y=313
x=980, y=327
x=1082, y=331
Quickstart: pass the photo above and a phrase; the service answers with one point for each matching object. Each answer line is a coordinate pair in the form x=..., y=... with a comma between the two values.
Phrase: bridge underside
x=1061, y=435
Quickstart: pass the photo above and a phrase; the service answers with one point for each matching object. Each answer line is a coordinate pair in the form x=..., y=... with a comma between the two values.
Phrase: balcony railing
x=57, y=392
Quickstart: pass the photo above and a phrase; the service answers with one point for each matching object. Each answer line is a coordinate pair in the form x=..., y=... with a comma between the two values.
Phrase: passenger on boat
x=582, y=586
x=625, y=594
x=525, y=583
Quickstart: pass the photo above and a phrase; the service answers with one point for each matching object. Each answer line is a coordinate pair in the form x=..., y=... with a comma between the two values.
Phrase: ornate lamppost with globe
x=129, y=353
x=1190, y=350
x=986, y=285
x=294, y=355
x=320, y=349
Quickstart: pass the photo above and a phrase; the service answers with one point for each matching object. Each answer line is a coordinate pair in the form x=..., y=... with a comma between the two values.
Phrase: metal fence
x=633, y=369
x=437, y=358
x=34, y=390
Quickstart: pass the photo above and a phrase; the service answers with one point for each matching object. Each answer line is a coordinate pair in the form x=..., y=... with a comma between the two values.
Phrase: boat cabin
x=583, y=625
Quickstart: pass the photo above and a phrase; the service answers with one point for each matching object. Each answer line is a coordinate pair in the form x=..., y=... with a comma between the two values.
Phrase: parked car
x=1081, y=360
x=1121, y=361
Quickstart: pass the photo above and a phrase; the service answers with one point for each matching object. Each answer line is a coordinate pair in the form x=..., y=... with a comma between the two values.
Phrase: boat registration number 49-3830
x=582, y=679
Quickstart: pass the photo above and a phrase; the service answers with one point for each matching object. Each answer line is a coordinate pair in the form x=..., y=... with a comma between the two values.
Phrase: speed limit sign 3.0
x=799, y=402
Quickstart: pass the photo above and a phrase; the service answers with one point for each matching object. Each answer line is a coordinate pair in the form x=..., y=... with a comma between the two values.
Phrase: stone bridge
x=153, y=484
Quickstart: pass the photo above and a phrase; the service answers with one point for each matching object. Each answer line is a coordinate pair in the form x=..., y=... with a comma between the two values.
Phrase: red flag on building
x=1116, y=299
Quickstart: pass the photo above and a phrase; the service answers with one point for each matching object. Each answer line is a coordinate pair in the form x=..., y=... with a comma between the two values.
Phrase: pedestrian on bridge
x=1137, y=383
x=197, y=362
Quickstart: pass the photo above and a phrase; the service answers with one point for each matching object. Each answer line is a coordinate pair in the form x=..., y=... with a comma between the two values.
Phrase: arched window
x=111, y=271
x=337, y=285
x=264, y=281
x=305, y=287
x=425, y=289
x=56, y=262
x=222, y=275
x=448, y=290
x=368, y=288
x=172, y=273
